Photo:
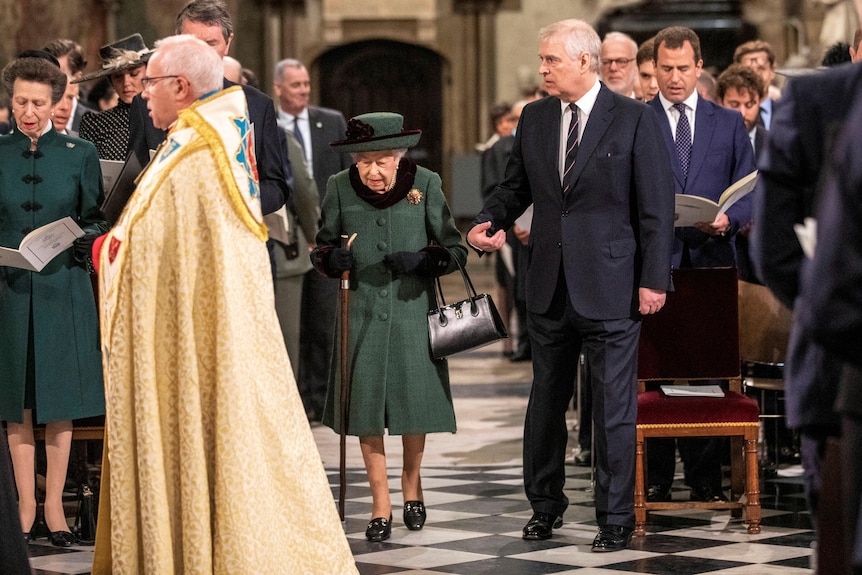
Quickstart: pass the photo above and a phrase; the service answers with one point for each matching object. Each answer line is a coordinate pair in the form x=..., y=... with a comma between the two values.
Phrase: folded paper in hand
x=692, y=390
x=692, y=209
x=42, y=245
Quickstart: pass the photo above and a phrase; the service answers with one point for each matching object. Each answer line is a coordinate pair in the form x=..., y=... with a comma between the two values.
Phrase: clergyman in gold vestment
x=211, y=466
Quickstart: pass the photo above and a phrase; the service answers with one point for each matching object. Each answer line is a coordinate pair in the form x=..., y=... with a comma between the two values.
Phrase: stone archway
x=384, y=75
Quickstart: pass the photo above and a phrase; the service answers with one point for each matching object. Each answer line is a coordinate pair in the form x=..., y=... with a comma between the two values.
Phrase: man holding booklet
x=710, y=154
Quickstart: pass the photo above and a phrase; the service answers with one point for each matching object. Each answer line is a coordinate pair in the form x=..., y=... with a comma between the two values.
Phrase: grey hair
x=622, y=37
x=286, y=63
x=185, y=55
x=398, y=153
x=578, y=37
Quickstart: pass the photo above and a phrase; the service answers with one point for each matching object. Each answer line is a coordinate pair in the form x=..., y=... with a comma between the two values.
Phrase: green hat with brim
x=124, y=54
x=375, y=132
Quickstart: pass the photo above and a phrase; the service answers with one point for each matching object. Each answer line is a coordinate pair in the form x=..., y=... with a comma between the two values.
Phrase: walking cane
x=345, y=381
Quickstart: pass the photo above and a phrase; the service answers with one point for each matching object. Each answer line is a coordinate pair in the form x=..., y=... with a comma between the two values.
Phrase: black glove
x=401, y=263
x=82, y=251
x=340, y=260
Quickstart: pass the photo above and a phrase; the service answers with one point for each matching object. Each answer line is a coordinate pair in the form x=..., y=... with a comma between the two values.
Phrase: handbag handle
x=440, y=300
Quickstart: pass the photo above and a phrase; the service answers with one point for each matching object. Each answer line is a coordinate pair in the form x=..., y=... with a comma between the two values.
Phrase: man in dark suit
x=70, y=56
x=592, y=164
x=833, y=316
x=709, y=150
x=314, y=128
x=209, y=21
x=740, y=88
x=807, y=121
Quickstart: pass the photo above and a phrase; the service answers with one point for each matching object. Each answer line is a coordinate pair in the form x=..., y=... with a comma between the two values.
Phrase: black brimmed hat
x=124, y=54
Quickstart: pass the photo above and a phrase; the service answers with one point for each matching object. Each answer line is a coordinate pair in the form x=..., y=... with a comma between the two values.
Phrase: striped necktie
x=683, y=139
x=571, y=149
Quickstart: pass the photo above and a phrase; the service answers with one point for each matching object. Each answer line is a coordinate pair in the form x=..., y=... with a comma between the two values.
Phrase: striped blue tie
x=683, y=139
x=571, y=149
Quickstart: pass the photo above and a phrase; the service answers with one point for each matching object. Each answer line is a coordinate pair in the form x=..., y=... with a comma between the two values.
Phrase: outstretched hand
x=478, y=238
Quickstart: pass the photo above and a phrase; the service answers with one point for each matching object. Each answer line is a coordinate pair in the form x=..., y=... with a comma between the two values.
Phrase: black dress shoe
x=612, y=538
x=62, y=539
x=657, y=493
x=414, y=515
x=584, y=458
x=706, y=493
x=541, y=526
x=379, y=529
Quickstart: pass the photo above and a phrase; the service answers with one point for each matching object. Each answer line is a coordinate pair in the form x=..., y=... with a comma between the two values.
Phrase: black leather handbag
x=463, y=325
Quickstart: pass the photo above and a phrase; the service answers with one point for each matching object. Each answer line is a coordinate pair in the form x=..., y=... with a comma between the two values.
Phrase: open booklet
x=692, y=209
x=42, y=245
x=692, y=390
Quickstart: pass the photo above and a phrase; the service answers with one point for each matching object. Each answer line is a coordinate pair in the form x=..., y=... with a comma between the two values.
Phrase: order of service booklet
x=692, y=209
x=42, y=245
x=692, y=390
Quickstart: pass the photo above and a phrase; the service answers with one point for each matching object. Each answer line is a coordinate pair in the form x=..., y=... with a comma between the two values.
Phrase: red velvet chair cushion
x=654, y=407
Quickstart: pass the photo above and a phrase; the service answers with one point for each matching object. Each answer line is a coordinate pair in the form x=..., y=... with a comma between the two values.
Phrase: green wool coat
x=63, y=179
x=395, y=383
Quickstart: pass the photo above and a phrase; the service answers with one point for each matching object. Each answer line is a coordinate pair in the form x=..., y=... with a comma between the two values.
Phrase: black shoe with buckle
x=414, y=515
x=612, y=538
x=379, y=529
x=541, y=526
x=658, y=493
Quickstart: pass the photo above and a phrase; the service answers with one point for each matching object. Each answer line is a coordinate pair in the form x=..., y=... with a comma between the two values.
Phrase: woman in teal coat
x=405, y=236
x=50, y=363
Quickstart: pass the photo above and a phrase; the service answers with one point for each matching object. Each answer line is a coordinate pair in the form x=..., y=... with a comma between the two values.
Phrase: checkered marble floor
x=476, y=505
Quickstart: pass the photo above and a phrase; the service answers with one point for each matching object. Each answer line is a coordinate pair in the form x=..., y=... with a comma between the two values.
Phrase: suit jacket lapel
x=704, y=126
x=597, y=124
x=664, y=126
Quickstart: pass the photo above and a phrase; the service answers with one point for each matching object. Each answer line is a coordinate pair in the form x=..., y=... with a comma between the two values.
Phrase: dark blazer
x=267, y=146
x=611, y=232
x=327, y=126
x=806, y=121
x=720, y=155
x=75, y=122
x=494, y=161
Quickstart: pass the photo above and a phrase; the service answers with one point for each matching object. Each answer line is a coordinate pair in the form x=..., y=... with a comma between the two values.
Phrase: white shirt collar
x=586, y=102
x=690, y=102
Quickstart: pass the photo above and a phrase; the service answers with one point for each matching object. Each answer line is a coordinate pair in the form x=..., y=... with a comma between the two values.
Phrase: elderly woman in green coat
x=50, y=363
x=405, y=236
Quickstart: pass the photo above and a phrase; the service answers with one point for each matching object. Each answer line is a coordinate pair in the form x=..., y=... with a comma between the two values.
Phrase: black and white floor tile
x=473, y=491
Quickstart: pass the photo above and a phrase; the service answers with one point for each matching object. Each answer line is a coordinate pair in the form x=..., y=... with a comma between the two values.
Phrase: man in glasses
x=618, y=69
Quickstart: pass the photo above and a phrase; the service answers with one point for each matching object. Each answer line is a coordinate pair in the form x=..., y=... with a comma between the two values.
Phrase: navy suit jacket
x=612, y=232
x=805, y=125
x=326, y=126
x=268, y=147
x=720, y=155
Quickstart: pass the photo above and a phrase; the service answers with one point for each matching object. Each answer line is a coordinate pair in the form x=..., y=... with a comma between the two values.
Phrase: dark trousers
x=316, y=338
x=610, y=348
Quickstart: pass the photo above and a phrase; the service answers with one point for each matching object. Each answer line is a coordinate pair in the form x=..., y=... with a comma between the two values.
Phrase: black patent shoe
x=379, y=529
x=612, y=538
x=414, y=515
x=27, y=536
x=62, y=539
x=541, y=526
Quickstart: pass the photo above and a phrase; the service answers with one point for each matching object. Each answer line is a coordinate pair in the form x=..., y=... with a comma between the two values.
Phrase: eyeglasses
x=147, y=82
x=620, y=62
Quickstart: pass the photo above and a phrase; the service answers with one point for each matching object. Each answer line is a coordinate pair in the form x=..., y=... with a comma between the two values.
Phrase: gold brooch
x=414, y=196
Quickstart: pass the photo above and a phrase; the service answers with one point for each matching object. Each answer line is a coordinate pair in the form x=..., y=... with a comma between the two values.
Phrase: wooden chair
x=764, y=331
x=696, y=337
